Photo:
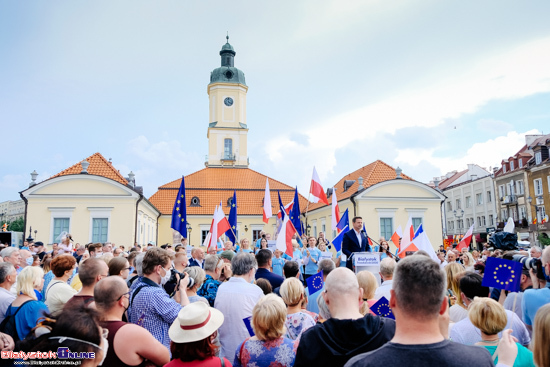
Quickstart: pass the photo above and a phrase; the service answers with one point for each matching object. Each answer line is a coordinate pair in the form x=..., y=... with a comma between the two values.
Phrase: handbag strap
x=241, y=351
x=222, y=361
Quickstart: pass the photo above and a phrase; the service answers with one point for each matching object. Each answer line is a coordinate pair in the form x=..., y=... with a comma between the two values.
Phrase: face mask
x=104, y=349
x=131, y=269
x=35, y=250
x=29, y=261
x=165, y=278
x=484, y=258
x=38, y=295
x=98, y=254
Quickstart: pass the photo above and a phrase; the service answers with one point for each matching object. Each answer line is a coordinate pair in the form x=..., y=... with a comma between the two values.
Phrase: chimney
x=436, y=183
x=360, y=182
x=111, y=160
x=474, y=177
x=85, y=166
x=34, y=175
x=398, y=173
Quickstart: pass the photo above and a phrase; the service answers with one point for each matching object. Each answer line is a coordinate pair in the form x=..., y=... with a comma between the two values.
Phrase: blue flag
x=502, y=274
x=382, y=308
x=337, y=241
x=315, y=283
x=295, y=214
x=179, y=213
x=281, y=206
x=230, y=233
x=344, y=221
x=248, y=323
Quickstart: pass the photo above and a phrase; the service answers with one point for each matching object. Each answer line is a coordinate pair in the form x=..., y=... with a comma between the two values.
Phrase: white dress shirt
x=235, y=299
x=358, y=234
x=384, y=290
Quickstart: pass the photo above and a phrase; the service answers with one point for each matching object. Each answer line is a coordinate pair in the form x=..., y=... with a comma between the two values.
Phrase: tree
x=17, y=225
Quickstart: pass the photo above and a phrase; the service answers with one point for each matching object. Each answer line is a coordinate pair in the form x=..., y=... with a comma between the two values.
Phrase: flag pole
x=307, y=206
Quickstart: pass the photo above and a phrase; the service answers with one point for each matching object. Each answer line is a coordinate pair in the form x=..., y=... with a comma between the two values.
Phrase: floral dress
x=280, y=352
x=296, y=324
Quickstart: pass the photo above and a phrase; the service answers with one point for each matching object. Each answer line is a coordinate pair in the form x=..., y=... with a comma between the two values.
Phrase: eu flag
x=248, y=323
x=295, y=214
x=315, y=283
x=502, y=274
x=344, y=221
x=179, y=213
x=337, y=241
x=232, y=219
x=382, y=308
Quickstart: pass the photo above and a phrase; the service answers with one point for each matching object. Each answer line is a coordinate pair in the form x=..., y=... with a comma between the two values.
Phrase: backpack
x=8, y=324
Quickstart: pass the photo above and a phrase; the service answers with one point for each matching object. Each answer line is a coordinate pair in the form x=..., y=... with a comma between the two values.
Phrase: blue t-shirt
x=339, y=256
x=277, y=265
x=312, y=267
x=533, y=299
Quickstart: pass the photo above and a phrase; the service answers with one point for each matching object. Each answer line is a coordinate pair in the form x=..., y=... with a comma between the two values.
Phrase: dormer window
x=520, y=163
x=538, y=157
x=511, y=165
x=195, y=201
x=504, y=168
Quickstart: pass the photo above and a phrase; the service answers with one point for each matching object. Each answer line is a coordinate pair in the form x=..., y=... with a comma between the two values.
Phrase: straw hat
x=195, y=322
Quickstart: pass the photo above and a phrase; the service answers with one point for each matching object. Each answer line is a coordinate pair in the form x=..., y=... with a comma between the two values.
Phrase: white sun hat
x=195, y=322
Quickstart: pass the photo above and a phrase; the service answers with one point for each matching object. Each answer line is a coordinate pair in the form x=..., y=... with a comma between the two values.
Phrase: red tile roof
x=372, y=174
x=212, y=185
x=449, y=181
x=99, y=166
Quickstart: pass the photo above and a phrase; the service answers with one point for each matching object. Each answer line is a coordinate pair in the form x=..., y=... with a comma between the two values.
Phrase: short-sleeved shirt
x=296, y=324
x=153, y=309
x=209, y=289
x=312, y=267
x=533, y=299
x=445, y=353
x=277, y=264
x=57, y=294
x=6, y=298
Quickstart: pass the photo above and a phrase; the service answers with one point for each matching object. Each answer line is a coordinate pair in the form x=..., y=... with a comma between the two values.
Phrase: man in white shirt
x=387, y=266
x=235, y=299
x=8, y=274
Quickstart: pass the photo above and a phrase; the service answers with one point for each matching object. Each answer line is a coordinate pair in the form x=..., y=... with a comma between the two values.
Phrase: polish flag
x=422, y=242
x=396, y=236
x=219, y=226
x=267, y=202
x=316, y=189
x=465, y=242
x=284, y=239
x=335, y=211
x=406, y=240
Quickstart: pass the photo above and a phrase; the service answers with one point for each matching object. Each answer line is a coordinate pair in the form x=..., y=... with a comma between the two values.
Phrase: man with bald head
x=348, y=333
x=197, y=257
x=90, y=272
x=129, y=344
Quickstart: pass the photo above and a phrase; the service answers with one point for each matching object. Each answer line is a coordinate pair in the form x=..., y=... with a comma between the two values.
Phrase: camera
x=173, y=278
x=530, y=263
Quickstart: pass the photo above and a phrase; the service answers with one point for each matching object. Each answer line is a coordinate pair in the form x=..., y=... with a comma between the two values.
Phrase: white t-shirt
x=57, y=294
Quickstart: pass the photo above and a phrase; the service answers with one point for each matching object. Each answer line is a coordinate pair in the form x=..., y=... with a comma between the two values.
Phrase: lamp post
x=245, y=228
x=530, y=201
x=189, y=229
x=308, y=229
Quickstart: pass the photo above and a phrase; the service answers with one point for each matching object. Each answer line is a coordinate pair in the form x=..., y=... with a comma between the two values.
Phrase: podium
x=368, y=261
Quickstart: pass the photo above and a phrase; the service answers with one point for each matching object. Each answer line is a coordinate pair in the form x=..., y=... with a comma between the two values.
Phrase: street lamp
x=308, y=229
x=245, y=228
x=530, y=201
x=189, y=229
x=459, y=213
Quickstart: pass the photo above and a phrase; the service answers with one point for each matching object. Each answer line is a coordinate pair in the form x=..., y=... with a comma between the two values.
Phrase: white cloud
x=516, y=73
x=486, y=154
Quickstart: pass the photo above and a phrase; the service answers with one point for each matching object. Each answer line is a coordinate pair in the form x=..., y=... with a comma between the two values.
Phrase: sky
x=429, y=86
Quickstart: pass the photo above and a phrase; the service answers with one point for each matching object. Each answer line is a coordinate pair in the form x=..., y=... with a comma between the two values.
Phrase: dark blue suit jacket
x=274, y=279
x=193, y=262
x=350, y=245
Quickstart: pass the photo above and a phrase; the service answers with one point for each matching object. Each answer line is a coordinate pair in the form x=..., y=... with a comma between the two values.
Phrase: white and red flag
x=219, y=226
x=335, y=211
x=465, y=242
x=267, y=203
x=396, y=236
x=406, y=240
x=284, y=239
x=316, y=189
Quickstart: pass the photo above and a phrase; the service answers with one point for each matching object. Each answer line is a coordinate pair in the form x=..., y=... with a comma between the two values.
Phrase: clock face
x=228, y=101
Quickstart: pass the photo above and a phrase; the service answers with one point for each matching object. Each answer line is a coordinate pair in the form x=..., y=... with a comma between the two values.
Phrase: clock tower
x=227, y=128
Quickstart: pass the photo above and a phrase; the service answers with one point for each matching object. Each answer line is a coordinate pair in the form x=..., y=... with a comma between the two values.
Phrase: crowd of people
x=247, y=304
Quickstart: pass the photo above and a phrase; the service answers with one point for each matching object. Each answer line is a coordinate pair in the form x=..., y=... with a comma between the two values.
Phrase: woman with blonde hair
x=27, y=307
x=268, y=347
x=369, y=284
x=490, y=318
x=245, y=246
x=453, y=291
x=541, y=337
x=297, y=321
x=468, y=261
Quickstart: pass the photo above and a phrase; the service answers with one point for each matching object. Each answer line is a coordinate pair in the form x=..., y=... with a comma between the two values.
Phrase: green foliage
x=544, y=241
x=17, y=225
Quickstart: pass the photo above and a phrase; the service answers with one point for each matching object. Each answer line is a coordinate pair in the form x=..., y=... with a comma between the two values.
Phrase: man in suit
x=197, y=257
x=355, y=241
